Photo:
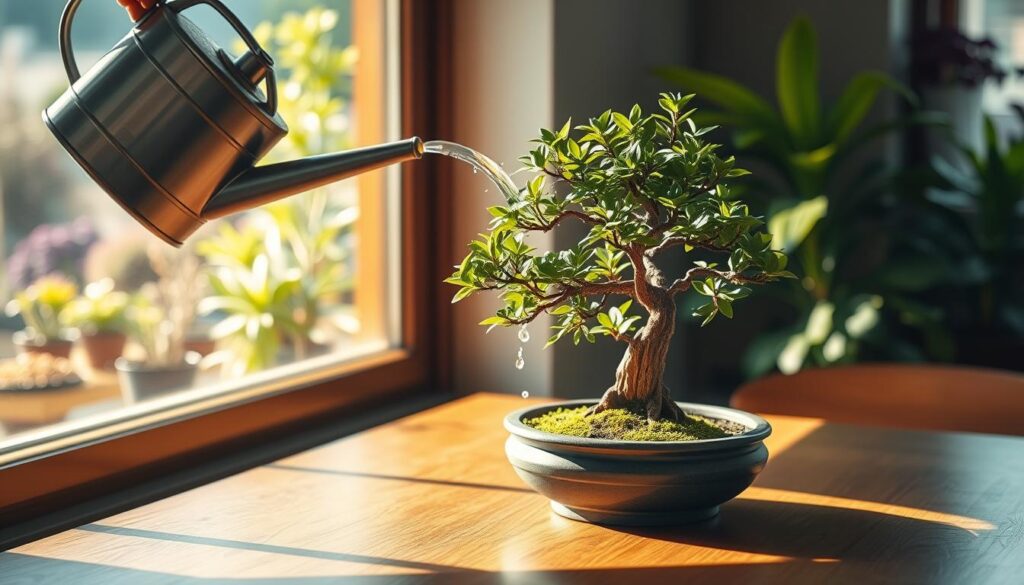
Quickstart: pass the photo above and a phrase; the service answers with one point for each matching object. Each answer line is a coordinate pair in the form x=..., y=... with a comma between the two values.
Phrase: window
x=1003, y=22
x=260, y=303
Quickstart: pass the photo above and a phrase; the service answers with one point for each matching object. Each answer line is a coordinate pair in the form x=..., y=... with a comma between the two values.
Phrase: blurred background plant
x=831, y=205
x=316, y=88
x=161, y=313
x=40, y=306
x=49, y=249
x=946, y=56
x=280, y=276
x=276, y=288
x=985, y=305
x=100, y=309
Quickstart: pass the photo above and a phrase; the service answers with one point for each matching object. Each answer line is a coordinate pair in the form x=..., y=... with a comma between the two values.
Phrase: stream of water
x=480, y=163
x=493, y=171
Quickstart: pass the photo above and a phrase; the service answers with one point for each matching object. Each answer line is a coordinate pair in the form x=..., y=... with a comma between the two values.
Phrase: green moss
x=619, y=423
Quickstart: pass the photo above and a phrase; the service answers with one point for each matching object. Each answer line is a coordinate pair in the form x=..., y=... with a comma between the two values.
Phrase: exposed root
x=658, y=406
x=611, y=399
x=670, y=410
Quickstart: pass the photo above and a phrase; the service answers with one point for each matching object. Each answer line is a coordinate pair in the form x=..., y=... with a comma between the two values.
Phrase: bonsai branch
x=551, y=301
x=683, y=284
x=546, y=227
x=685, y=241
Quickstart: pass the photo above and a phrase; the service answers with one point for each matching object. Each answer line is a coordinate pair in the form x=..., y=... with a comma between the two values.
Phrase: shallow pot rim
x=757, y=429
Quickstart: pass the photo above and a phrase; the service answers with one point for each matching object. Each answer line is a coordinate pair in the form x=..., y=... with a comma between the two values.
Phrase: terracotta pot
x=637, y=483
x=103, y=349
x=140, y=381
x=54, y=347
x=204, y=346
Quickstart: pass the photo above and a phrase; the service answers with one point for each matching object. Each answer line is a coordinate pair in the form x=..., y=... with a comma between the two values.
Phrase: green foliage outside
x=100, y=309
x=41, y=304
x=280, y=278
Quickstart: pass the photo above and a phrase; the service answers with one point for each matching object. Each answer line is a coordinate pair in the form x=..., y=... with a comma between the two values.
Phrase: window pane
x=103, y=320
x=1002, y=21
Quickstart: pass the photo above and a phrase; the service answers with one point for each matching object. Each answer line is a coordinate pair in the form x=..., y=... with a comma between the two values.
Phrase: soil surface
x=623, y=424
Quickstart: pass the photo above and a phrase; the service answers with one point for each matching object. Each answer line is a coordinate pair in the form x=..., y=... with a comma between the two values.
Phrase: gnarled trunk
x=639, y=378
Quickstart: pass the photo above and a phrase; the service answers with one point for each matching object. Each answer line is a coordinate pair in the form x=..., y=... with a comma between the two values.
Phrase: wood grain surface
x=430, y=499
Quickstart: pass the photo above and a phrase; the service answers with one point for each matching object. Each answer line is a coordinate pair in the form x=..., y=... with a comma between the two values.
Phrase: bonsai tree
x=642, y=184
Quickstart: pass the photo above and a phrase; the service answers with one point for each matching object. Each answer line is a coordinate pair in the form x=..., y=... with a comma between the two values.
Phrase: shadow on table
x=887, y=547
x=814, y=544
x=949, y=473
x=29, y=569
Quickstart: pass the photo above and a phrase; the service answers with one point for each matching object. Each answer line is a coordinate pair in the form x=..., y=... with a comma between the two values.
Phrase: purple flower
x=51, y=248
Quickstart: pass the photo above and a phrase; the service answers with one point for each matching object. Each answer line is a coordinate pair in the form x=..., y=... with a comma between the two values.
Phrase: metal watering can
x=171, y=125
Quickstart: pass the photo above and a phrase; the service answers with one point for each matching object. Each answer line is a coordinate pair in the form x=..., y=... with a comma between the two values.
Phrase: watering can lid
x=241, y=75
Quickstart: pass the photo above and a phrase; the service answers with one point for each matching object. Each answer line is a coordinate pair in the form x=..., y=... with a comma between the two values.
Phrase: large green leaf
x=856, y=101
x=790, y=226
x=731, y=96
x=796, y=82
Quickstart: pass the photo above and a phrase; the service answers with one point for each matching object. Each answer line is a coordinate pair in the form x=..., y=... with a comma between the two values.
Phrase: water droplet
x=520, y=360
x=526, y=394
x=524, y=335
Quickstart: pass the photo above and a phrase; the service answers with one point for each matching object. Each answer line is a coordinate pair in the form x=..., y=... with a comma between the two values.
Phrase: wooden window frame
x=150, y=447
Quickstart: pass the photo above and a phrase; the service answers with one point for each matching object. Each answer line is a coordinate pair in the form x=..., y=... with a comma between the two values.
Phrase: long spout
x=262, y=185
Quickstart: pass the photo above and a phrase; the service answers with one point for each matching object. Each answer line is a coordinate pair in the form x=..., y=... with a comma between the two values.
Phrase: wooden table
x=430, y=499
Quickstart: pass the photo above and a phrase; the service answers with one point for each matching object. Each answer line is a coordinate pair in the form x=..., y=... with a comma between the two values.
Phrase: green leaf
x=864, y=317
x=725, y=307
x=616, y=315
x=463, y=293
x=791, y=226
x=792, y=357
x=728, y=94
x=819, y=323
x=857, y=99
x=796, y=81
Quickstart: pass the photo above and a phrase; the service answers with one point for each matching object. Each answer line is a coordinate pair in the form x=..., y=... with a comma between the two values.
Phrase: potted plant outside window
x=641, y=184
x=99, y=317
x=159, y=319
x=40, y=306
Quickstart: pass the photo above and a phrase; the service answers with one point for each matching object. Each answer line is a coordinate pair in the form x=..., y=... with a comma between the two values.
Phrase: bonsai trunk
x=639, y=384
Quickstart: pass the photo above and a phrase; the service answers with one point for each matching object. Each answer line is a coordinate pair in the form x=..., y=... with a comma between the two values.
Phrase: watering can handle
x=67, y=52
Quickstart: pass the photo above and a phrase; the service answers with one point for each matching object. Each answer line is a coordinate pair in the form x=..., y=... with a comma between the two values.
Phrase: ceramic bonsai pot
x=103, y=349
x=54, y=347
x=637, y=483
x=140, y=381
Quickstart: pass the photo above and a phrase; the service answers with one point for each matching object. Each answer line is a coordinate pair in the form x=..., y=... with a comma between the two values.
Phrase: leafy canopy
x=642, y=184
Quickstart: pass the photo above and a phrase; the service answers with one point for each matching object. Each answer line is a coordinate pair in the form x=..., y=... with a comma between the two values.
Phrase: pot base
x=613, y=518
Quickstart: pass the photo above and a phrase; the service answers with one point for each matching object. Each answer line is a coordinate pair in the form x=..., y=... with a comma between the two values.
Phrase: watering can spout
x=264, y=184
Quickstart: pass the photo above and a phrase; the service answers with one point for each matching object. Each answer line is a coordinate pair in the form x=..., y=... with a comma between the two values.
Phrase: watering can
x=172, y=126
